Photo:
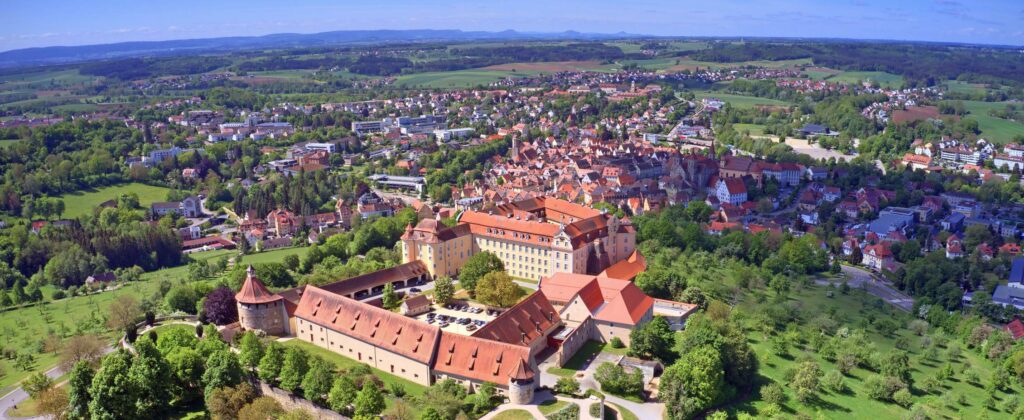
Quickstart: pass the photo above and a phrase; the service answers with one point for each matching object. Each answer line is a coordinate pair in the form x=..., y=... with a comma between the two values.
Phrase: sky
x=39, y=23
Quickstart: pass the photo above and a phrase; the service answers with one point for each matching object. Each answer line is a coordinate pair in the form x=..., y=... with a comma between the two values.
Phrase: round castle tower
x=259, y=309
x=521, y=384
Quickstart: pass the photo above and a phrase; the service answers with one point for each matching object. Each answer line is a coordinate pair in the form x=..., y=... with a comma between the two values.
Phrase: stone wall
x=268, y=317
x=291, y=402
x=584, y=332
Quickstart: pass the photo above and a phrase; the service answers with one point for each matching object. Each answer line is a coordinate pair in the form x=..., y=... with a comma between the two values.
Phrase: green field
x=955, y=86
x=82, y=203
x=887, y=80
x=274, y=255
x=854, y=311
x=455, y=79
x=739, y=101
x=996, y=130
x=754, y=129
x=514, y=414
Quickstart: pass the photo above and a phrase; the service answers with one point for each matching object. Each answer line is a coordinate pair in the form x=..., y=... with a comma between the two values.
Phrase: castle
x=534, y=238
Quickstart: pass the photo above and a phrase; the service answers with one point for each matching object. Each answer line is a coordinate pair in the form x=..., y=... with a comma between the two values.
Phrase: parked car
x=415, y=290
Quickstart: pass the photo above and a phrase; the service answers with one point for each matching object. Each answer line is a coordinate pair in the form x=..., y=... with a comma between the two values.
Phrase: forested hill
x=67, y=54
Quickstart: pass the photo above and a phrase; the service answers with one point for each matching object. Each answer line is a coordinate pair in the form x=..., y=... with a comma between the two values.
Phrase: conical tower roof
x=522, y=372
x=253, y=291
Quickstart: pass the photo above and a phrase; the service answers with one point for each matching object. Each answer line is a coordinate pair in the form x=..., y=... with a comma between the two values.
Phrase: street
x=861, y=278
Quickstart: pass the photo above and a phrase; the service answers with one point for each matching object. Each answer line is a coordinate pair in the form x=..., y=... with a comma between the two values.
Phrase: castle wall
x=268, y=317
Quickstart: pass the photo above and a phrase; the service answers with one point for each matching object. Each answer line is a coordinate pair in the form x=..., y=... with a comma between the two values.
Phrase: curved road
x=875, y=285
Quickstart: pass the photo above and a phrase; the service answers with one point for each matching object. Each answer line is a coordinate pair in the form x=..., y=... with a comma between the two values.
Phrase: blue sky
x=37, y=23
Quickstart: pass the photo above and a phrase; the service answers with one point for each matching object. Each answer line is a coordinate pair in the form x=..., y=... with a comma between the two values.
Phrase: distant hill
x=59, y=55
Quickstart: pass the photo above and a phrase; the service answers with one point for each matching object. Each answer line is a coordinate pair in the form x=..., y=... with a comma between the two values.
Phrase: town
x=606, y=227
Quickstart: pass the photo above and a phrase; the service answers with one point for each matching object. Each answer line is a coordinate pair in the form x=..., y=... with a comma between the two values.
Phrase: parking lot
x=458, y=318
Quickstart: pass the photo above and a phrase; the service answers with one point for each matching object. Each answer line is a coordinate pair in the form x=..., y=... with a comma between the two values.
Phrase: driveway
x=875, y=285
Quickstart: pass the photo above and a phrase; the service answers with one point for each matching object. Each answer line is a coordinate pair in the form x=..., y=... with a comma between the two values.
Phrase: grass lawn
x=551, y=406
x=615, y=411
x=854, y=311
x=754, y=129
x=588, y=351
x=739, y=101
x=81, y=203
x=8, y=143
x=884, y=79
x=996, y=130
x=342, y=362
x=274, y=255
x=516, y=414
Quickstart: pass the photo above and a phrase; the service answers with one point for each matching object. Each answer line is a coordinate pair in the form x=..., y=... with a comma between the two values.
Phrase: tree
x=225, y=402
x=390, y=299
x=220, y=306
x=370, y=401
x=444, y=290
x=250, y=351
x=805, y=381
x=53, y=403
x=294, y=369
x=654, y=339
x=498, y=289
x=614, y=379
x=271, y=362
x=431, y=414
x=181, y=298
x=151, y=376
x=400, y=410
x=483, y=400
x=773, y=394
x=343, y=393
x=112, y=392
x=477, y=266
x=222, y=370
x=79, y=382
x=316, y=384
x=291, y=262
x=37, y=383
x=694, y=383
x=262, y=408
x=124, y=312
x=187, y=369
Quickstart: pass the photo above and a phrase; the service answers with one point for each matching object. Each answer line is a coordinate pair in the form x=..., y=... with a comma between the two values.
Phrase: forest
x=921, y=64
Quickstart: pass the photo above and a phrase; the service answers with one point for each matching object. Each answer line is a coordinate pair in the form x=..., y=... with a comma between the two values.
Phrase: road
x=875, y=285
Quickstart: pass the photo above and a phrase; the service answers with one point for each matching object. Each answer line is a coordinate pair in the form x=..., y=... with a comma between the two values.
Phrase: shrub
x=903, y=397
x=567, y=385
x=773, y=394
x=616, y=343
x=595, y=410
x=833, y=381
x=569, y=412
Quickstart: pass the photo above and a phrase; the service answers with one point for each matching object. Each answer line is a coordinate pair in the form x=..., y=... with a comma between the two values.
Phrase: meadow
x=456, y=79
x=886, y=80
x=996, y=130
x=81, y=203
x=739, y=101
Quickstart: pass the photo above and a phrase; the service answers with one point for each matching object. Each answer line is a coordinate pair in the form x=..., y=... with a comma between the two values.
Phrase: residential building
x=731, y=190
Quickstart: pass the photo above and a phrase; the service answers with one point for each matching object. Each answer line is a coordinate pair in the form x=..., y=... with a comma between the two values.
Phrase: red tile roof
x=628, y=268
x=369, y=324
x=523, y=323
x=253, y=291
x=1015, y=328
x=481, y=360
x=621, y=301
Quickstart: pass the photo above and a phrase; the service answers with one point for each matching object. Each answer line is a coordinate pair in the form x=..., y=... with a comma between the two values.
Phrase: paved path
x=875, y=285
x=541, y=396
x=648, y=410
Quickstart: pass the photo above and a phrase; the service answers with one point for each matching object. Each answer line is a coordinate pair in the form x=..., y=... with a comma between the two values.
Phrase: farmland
x=456, y=79
x=81, y=203
x=994, y=129
x=884, y=79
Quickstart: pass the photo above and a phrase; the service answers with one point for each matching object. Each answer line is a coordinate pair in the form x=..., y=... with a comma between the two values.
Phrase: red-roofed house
x=878, y=257
x=1015, y=328
x=731, y=190
x=616, y=306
